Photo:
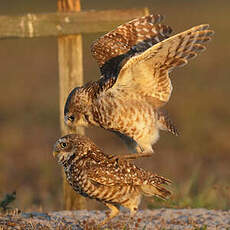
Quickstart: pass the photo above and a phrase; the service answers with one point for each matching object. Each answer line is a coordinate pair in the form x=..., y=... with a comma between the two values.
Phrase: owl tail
x=164, y=123
x=155, y=190
x=155, y=187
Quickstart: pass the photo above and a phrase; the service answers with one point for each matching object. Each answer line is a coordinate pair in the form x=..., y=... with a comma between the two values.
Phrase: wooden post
x=70, y=76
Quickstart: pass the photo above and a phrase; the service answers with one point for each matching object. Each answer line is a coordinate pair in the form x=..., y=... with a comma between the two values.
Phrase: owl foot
x=114, y=211
x=131, y=156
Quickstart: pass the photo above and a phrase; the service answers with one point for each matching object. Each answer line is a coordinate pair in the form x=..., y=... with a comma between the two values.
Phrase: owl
x=135, y=62
x=93, y=174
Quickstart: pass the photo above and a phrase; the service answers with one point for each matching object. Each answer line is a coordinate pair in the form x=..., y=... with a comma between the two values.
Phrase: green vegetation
x=190, y=195
x=7, y=200
x=202, y=228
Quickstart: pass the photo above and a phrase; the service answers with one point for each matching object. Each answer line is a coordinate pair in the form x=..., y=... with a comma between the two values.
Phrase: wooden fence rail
x=59, y=24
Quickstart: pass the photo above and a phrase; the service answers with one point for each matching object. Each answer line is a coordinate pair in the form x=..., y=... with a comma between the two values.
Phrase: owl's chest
x=76, y=179
x=129, y=115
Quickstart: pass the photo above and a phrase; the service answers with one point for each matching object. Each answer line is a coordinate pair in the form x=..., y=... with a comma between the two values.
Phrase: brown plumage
x=135, y=61
x=93, y=174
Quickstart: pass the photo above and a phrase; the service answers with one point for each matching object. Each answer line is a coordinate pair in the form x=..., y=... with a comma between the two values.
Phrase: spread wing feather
x=147, y=73
x=112, y=50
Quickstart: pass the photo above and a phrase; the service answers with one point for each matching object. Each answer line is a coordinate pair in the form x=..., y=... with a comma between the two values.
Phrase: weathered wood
x=65, y=23
x=70, y=76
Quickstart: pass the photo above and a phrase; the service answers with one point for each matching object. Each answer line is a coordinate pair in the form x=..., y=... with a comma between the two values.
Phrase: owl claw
x=115, y=158
x=131, y=156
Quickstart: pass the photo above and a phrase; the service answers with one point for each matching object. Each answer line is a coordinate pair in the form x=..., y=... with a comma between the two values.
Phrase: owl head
x=72, y=147
x=77, y=107
x=64, y=149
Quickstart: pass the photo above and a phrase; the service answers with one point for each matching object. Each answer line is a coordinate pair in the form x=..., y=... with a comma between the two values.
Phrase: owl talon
x=131, y=156
x=115, y=157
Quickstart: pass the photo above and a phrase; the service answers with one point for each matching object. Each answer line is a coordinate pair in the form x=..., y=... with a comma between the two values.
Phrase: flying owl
x=93, y=174
x=135, y=61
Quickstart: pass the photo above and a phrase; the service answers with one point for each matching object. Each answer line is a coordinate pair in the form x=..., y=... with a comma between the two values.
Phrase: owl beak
x=55, y=149
x=55, y=154
x=67, y=121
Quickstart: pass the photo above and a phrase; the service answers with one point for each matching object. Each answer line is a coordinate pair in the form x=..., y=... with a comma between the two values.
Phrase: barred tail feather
x=165, y=123
x=155, y=190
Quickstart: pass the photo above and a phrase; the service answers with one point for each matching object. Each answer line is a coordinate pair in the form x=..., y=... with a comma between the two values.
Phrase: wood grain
x=65, y=22
x=70, y=76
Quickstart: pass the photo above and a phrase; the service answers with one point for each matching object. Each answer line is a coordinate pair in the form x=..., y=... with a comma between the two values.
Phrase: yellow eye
x=63, y=144
x=71, y=118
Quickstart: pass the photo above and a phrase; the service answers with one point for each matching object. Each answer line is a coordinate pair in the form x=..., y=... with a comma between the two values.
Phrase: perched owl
x=93, y=174
x=135, y=61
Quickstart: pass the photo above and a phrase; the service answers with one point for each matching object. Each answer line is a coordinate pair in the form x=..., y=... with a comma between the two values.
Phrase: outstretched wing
x=147, y=74
x=112, y=50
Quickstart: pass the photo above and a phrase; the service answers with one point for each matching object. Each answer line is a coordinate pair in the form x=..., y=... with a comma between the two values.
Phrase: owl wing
x=112, y=50
x=147, y=74
x=113, y=173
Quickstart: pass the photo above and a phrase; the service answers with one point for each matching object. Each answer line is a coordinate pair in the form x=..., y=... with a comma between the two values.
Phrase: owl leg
x=131, y=156
x=133, y=204
x=113, y=212
x=133, y=211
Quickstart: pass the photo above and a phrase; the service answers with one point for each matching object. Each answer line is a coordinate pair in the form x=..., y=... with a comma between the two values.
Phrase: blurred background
x=198, y=161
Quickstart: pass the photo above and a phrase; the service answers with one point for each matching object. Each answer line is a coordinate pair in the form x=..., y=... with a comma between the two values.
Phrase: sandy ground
x=145, y=220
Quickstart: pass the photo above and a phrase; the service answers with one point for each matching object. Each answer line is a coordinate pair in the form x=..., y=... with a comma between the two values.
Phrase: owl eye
x=63, y=144
x=71, y=118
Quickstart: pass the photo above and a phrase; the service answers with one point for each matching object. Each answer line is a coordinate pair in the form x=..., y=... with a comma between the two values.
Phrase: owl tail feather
x=155, y=190
x=165, y=123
